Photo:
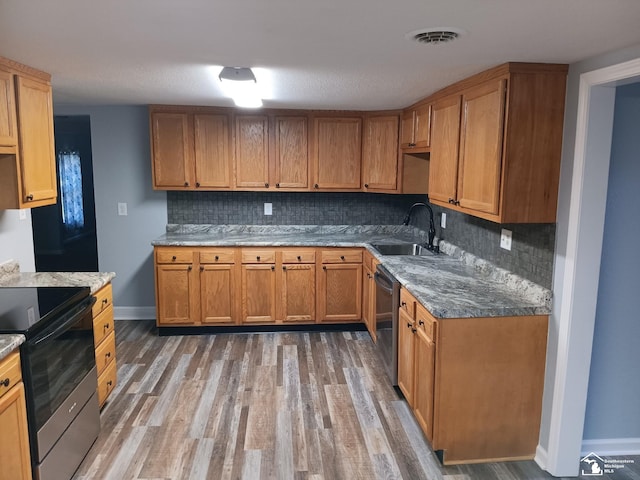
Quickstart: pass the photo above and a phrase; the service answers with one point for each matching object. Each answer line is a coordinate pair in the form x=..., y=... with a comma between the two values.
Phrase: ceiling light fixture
x=241, y=85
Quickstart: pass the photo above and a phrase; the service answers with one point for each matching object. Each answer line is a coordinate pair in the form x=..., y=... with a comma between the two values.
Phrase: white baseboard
x=612, y=446
x=134, y=313
x=541, y=457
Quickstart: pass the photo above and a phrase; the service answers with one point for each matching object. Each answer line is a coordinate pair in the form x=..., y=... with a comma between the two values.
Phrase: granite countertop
x=454, y=284
x=8, y=343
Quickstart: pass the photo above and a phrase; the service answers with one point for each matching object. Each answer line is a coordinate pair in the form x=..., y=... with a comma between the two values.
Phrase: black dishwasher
x=387, y=304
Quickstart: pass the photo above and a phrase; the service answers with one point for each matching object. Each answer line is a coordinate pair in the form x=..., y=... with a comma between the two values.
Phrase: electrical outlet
x=505, y=239
x=122, y=209
x=443, y=220
x=268, y=208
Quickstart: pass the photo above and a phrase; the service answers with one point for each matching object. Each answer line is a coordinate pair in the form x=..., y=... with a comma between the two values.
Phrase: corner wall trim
x=541, y=457
x=611, y=446
x=134, y=313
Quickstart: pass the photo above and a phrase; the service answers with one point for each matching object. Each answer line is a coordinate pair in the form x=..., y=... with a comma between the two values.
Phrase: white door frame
x=577, y=268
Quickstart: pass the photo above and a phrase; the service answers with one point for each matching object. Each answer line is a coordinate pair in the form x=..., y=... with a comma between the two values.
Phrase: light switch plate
x=268, y=208
x=505, y=239
x=122, y=209
x=443, y=220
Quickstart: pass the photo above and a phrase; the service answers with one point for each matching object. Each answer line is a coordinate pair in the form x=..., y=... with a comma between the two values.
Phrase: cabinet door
x=380, y=153
x=291, y=153
x=217, y=293
x=337, y=152
x=406, y=354
x=445, y=137
x=258, y=293
x=422, y=126
x=8, y=125
x=171, y=150
x=252, y=151
x=481, y=147
x=368, y=302
x=212, y=151
x=299, y=293
x=35, y=130
x=425, y=356
x=340, y=293
x=14, y=436
x=175, y=287
x=406, y=128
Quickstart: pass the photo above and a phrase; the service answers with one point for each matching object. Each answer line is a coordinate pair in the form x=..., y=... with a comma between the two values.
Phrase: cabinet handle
x=277, y=185
x=266, y=185
x=30, y=197
x=299, y=258
x=366, y=185
x=216, y=258
x=186, y=184
x=258, y=258
x=412, y=144
x=315, y=186
x=197, y=184
x=174, y=258
x=342, y=257
x=5, y=382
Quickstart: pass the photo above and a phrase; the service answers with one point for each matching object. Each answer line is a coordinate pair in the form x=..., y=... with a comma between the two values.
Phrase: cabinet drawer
x=298, y=256
x=425, y=321
x=342, y=256
x=407, y=303
x=174, y=255
x=104, y=299
x=107, y=382
x=218, y=256
x=102, y=325
x=106, y=352
x=10, y=373
x=258, y=256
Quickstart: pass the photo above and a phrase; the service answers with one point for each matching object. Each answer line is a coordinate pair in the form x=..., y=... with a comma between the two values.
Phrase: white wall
x=16, y=240
x=614, y=385
x=122, y=173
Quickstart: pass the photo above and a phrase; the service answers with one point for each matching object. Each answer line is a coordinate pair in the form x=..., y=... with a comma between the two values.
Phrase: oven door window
x=57, y=361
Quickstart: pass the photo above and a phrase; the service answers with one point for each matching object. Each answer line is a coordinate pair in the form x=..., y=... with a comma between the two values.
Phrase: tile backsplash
x=531, y=255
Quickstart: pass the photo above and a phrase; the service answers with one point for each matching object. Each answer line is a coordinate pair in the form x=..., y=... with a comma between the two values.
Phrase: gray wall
x=122, y=173
x=614, y=384
x=531, y=255
x=16, y=240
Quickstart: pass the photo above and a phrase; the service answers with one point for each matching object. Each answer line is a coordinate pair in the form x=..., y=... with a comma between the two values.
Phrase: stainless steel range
x=59, y=373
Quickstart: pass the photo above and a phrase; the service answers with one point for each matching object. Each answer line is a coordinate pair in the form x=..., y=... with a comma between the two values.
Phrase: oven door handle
x=383, y=282
x=63, y=327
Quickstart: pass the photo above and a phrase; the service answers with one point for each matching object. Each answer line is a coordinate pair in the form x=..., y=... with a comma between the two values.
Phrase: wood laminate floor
x=264, y=406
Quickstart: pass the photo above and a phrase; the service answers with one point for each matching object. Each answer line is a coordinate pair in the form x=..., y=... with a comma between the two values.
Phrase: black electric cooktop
x=28, y=309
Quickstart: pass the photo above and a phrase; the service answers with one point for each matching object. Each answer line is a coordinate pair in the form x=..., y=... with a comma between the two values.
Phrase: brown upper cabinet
x=190, y=150
x=337, y=152
x=496, y=143
x=415, y=132
x=380, y=152
x=272, y=152
x=27, y=158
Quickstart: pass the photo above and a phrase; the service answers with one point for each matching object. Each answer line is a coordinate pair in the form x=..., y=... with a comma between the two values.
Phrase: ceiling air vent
x=435, y=36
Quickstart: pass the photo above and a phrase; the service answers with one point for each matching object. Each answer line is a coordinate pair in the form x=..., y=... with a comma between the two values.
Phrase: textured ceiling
x=307, y=54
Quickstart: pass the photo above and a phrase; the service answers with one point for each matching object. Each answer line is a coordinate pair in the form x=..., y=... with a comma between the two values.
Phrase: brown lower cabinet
x=198, y=286
x=14, y=434
x=104, y=338
x=474, y=384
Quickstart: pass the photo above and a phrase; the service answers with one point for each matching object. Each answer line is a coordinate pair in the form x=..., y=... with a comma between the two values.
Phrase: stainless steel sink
x=402, y=249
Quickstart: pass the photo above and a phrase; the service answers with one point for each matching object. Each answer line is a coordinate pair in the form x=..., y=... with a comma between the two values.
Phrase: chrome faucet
x=432, y=227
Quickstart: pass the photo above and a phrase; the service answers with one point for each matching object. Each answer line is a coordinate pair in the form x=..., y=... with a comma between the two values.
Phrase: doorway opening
x=64, y=234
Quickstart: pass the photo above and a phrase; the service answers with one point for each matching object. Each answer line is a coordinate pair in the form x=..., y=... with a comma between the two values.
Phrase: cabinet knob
x=105, y=301
x=420, y=322
x=258, y=258
x=105, y=327
x=324, y=267
x=5, y=382
x=201, y=268
x=404, y=304
x=299, y=258
x=174, y=258
x=366, y=185
x=109, y=383
x=413, y=330
x=266, y=185
x=368, y=275
x=315, y=186
x=30, y=197
x=186, y=184
x=341, y=257
x=273, y=268
x=412, y=144
x=197, y=184
x=277, y=185
x=190, y=267
x=409, y=324
x=217, y=258
x=107, y=355
x=284, y=268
